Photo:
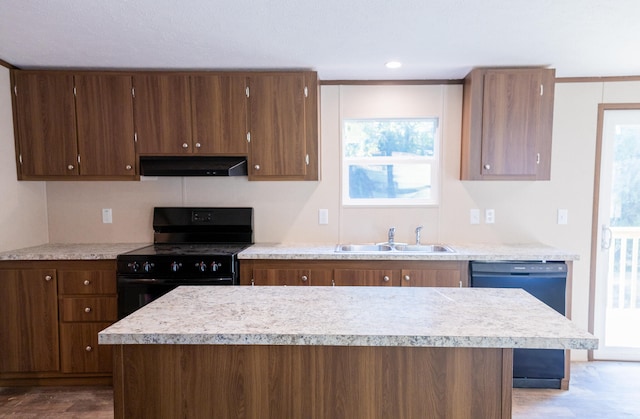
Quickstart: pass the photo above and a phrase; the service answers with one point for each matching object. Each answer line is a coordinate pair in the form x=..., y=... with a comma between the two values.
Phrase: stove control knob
x=134, y=266
x=147, y=267
x=214, y=267
x=175, y=266
x=202, y=267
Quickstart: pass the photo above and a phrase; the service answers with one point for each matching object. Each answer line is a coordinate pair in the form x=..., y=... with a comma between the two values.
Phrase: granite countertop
x=487, y=252
x=76, y=251
x=349, y=316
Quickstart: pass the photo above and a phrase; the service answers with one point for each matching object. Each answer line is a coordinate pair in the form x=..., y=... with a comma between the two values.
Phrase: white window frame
x=433, y=161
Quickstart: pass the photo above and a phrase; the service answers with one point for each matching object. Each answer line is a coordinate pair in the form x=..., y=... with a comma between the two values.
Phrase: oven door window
x=133, y=296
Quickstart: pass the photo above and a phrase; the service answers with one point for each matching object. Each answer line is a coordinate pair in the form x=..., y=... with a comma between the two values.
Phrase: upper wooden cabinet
x=162, y=113
x=219, y=114
x=186, y=114
x=507, y=119
x=72, y=126
x=104, y=110
x=45, y=124
x=283, y=126
x=94, y=125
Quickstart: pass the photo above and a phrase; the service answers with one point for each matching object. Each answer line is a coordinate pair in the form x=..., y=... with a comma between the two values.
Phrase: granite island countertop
x=471, y=251
x=71, y=251
x=349, y=316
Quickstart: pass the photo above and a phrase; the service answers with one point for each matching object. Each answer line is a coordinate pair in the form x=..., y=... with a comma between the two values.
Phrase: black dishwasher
x=532, y=368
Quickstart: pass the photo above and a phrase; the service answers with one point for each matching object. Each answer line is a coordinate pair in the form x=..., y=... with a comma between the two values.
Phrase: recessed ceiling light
x=393, y=64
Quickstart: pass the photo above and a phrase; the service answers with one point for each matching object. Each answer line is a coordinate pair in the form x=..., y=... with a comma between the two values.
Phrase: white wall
x=23, y=220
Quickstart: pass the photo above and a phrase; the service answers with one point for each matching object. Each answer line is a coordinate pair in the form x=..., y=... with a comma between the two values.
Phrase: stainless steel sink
x=426, y=248
x=363, y=248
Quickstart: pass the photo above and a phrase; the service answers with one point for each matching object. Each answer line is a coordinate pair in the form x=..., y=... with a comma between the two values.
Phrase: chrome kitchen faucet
x=418, y=231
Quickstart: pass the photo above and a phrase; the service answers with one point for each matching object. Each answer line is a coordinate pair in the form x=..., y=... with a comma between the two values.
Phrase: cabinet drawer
x=88, y=309
x=86, y=282
x=79, y=349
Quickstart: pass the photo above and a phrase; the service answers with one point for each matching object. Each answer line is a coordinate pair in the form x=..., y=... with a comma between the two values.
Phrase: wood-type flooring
x=607, y=390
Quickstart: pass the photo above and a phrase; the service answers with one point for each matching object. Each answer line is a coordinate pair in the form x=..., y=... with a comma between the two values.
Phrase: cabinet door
x=281, y=276
x=162, y=114
x=104, y=109
x=278, y=142
x=79, y=349
x=219, y=113
x=516, y=122
x=370, y=277
x=45, y=123
x=431, y=278
x=29, y=321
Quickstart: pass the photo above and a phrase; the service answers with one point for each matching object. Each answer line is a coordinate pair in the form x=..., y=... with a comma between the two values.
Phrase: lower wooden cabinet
x=364, y=277
x=278, y=276
x=443, y=274
x=79, y=349
x=28, y=320
x=52, y=312
x=354, y=272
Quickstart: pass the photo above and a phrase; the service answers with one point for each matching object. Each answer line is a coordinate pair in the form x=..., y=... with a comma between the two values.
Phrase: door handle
x=605, y=241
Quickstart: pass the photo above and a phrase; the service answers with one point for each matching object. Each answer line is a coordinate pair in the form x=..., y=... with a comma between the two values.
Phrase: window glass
x=390, y=161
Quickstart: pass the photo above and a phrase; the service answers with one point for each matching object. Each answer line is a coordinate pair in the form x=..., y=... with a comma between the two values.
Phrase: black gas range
x=192, y=246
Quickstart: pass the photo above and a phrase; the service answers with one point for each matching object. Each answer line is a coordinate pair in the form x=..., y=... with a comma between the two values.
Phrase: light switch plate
x=107, y=217
x=563, y=216
x=474, y=216
x=323, y=216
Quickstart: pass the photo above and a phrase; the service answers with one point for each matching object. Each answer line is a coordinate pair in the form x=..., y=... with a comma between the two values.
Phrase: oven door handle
x=127, y=280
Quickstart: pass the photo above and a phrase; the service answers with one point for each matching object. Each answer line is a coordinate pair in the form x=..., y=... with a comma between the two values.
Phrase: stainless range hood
x=193, y=166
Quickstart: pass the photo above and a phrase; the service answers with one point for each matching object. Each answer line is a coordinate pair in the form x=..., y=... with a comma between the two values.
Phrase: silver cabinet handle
x=87, y=282
x=185, y=145
x=70, y=167
x=87, y=309
x=386, y=278
x=88, y=348
x=407, y=278
x=48, y=278
x=304, y=278
x=487, y=166
x=257, y=167
x=198, y=145
x=128, y=167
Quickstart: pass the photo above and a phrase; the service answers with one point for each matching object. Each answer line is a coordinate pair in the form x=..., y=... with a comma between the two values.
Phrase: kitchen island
x=328, y=352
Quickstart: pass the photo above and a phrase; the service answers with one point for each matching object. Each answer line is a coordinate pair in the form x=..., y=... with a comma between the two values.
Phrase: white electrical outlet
x=474, y=216
x=563, y=216
x=489, y=216
x=107, y=217
x=323, y=216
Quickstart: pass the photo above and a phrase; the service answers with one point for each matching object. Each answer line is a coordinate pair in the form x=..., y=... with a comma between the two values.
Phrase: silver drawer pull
x=70, y=167
x=407, y=278
x=304, y=278
x=48, y=278
x=87, y=282
x=88, y=348
x=386, y=278
x=87, y=309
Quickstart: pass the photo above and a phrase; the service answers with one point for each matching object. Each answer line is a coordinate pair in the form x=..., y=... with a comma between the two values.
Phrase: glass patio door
x=616, y=318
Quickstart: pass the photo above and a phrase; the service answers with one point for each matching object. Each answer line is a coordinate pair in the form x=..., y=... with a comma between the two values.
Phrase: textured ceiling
x=341, y=39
